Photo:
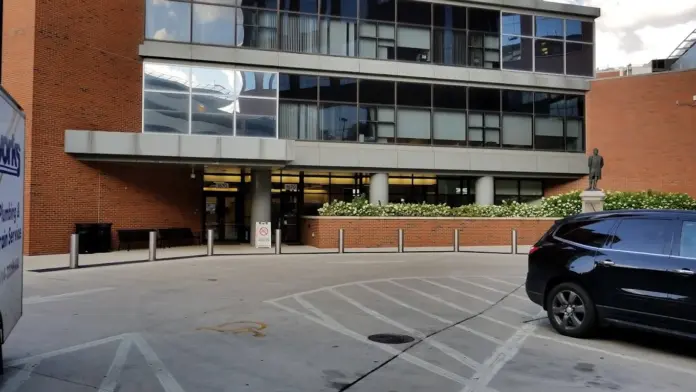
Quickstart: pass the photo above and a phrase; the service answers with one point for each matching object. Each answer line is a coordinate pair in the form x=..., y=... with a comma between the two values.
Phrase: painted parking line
x=505, y=282
x=492, y=289
x=59, y=297
x=476, y=297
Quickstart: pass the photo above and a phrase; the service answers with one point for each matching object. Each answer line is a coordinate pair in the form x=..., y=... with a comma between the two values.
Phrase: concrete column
x=260, y=199
x=485, y=191
x=379, y=188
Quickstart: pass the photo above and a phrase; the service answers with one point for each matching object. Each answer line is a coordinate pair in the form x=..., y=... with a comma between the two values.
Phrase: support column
x=260, y=188
x=485, y=191
x=379, y=188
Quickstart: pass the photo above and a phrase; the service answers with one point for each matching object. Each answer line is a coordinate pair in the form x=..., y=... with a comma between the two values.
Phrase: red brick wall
x=322, y=232
x=647, y=141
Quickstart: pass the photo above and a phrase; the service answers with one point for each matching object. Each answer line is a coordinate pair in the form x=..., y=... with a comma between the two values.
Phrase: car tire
x=571, y=310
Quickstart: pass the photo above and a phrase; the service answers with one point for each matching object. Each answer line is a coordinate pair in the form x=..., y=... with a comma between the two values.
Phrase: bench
x=178, y=236
x=128, y=237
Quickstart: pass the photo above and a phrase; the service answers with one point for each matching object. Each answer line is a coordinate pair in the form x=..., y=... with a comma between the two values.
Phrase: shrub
x=553, y=206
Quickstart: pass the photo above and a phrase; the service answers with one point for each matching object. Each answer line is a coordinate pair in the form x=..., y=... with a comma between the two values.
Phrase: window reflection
x=547, y=27
x=517, y=53
x=216, y=81
x=258, y=84
x=579, y=59
x=216, y=25
x=549, y=56
x=212, y=115
x=577, y=30
x=256, y=117
x=165, y=112
x=168, y=20
x=338, y=122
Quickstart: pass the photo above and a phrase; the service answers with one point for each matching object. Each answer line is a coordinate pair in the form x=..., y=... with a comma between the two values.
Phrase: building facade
x=217, y=114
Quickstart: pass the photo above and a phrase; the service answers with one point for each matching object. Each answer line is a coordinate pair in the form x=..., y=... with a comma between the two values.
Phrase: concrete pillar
x=260, y=199
x=592, y=201
x=379, y=188
x=485, y=191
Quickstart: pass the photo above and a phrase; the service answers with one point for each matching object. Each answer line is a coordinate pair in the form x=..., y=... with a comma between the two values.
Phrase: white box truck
x=11, y=214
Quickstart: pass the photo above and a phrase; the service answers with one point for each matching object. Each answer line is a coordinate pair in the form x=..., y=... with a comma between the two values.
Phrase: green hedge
x=554, y=206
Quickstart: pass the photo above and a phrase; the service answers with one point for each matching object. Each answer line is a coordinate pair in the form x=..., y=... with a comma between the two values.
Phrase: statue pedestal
x=592, y=201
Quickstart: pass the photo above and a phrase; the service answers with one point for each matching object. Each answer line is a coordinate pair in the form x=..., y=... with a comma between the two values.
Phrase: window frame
x=610, y=232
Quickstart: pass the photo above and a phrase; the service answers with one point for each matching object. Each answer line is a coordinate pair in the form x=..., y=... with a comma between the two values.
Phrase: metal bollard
x=456, y=240
x=400, y=247
x=153, y=246
x=74, y=251
x=211, y=238
x=277, y=241
x=341, y=241
x=513, y=242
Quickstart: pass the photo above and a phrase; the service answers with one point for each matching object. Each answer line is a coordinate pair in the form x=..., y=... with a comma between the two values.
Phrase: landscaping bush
x=552, y=207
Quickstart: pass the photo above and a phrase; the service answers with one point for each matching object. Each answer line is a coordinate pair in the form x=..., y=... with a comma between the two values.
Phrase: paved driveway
x=304, y=322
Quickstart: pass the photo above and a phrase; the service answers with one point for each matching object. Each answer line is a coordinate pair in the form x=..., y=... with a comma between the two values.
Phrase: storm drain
x=389, y=338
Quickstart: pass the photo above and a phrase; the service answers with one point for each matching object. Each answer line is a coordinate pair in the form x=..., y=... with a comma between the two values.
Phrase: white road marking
x=318, y=313
x=458, y=356
x=488, y=288
x=453, y=306
x=23, y=361
x=502, y=355
x=22, y=376
x=502, y=281
x=391, y=350
x=112, y=378
x=166, y=379
x=51, y=298
x=476, y=297
x=433, y=316
x=366, y=262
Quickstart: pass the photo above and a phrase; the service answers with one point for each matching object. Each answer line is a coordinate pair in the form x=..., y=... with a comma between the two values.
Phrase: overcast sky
x=637, y=31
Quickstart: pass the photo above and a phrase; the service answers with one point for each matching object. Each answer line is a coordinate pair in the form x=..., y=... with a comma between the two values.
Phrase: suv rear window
x=587, y=232
x=643, y=235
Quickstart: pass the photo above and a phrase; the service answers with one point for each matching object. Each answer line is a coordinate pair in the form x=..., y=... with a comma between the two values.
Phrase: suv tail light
x=533, y=249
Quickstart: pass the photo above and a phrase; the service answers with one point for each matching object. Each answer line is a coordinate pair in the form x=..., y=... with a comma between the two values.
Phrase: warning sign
x=263, y=235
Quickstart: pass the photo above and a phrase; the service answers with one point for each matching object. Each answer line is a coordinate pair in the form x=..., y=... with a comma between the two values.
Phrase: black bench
x=129, y=237
x=178, y=236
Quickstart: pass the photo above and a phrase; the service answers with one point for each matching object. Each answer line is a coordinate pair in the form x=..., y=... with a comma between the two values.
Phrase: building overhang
x=172, y=148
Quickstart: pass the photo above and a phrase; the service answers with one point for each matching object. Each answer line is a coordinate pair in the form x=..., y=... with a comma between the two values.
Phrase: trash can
x=103, y=240
x=87, y=234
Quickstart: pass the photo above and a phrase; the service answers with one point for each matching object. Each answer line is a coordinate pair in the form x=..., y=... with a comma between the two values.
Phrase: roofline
x=541, y=5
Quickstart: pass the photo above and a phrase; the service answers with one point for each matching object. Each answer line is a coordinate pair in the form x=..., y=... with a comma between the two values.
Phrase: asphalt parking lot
x=303, y=322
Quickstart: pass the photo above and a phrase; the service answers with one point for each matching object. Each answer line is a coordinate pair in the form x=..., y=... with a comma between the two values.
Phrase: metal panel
x=115, y=143
x=378, y=156
x=198, y=146
x=416, y=158
x=163, y=145
x=452, y=159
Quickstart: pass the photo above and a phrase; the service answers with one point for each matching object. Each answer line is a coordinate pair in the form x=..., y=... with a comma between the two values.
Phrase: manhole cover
x=389, y=338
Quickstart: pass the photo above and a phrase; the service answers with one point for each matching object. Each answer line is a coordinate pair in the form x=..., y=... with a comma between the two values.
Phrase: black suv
x=634, y=268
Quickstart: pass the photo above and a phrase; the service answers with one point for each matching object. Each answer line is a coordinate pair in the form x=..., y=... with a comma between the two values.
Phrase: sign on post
x=263, y=235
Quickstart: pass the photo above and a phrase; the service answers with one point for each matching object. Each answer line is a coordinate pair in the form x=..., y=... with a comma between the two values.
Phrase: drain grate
x=390, y=338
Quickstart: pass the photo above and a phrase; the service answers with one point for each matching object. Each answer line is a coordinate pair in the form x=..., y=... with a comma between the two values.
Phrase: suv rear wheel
x=571, y=311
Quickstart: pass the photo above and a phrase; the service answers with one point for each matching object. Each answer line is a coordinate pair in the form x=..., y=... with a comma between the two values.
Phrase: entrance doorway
x=222, y=213
x=284, y=212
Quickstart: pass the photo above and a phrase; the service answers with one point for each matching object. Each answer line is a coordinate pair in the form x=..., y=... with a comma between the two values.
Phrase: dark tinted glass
x=549, y=104
x=449, y=16
x=517, y=53
x=549, y=56
x=518, y=101
x=517, y=24
x=449, y=46
x=575, y=105
x=271, y=4
x=484, y=20
x=413, y=12
x=642, y=235
x=579, y=31
x=591, y=233
x=375, y=91
x=579, y=59
x=338, y=89
x=547, y=27
x=484, y=99
x=344, y=8
x=687, y=246
x=413, y=94
x=378, y=10
x=306, y=6
x=298, y=86
x=453, y=97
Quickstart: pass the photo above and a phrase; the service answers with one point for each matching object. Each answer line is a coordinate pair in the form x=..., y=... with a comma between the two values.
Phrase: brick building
x=158, y=113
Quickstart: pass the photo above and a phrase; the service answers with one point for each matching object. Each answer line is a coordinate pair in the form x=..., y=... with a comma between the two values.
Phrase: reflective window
x=212, y=115
x=338, y=89
x=218, y=81
x=577, y=30
x=338, y=122
x=516, y=24
x=258, y=84
x=484, y=50
x=547, y=27
x=377, y=124
x=449, y=127
x=378, y=10
x=518, y=101
x=413, y=125
x=376, y=92
x=298, y=86
x=413, y=94
x=549, y=104
x=304, y=6
x=575, y=135
x=484, y=20
x=575, y=105
x=215, y=25
x=548, y=133
x=413, y=12
x=168, y=20
x=167, y=77
x=299, y=33
x=579, y=59
x=338, y=37
x=165, y=112
x=256, y=117
x=593, y=233
x=487, y=99
x=517, y=53
x=642, y=235
x=268, y=4
x=453, y=97
x=450, y=16
x=548, y=56
x=343, y=8
x=687, y=245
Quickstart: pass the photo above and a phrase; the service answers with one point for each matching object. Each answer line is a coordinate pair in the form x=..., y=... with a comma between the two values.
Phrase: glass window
x=549, y=56
x=413, y=125
x=484, y=20
x=298, y=120
x=549, y=104
x=413, y=44
x=376, y=124
x=167, y=20
x=378, y=10
x=298, y=86
x=258, y=84
x=165, y=112
x=484, y=50
x=338, y=37
x=453, y=97
x=413, y=12
x=575, y=105
x=215, y=25
x=449, y=47
x=377, y=41
x=517, y=24
x=305, y=6
x=687, y=246
x=167, y=77
x=486, y=99
x=484, y=130
x=574, y=135
x=449, y=16
x=579, y=59
x=376, y=91
x=449, y=128
x=531, y=188
x=256, y=117
x=268, y=4
x=298, y=33
x=518, y=101
x=517, y=131
x=642, y=235
x=547, y=27
x=343, y=8
x=577, y=30
x=217, y=81
x=593, y=233
x=338, y=122
x=517, y=53
x=413, y=94
x=259, y=29
x=548, y=133
x=212, y=114
x=338, y=89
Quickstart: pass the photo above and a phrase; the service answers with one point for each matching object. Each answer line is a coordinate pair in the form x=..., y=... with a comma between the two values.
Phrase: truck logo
x=10, y=156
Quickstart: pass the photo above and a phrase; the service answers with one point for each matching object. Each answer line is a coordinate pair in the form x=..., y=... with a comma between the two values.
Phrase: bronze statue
x=595, y=163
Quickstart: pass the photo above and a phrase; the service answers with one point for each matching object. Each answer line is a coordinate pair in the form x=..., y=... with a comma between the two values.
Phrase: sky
x=637, y=31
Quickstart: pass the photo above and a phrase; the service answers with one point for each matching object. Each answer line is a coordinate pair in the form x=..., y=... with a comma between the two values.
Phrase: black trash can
x=87, y=234
x=103, y=240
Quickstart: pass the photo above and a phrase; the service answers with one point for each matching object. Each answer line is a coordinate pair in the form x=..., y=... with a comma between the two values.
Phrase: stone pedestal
x=592, y=201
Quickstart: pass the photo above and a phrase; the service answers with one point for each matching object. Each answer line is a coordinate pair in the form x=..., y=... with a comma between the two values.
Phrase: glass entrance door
x=284, y=211
x=221, y=216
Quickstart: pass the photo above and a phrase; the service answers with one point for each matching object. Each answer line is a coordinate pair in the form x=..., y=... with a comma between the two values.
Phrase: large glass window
x=483, y=48
x=517, y=53
x=484, y=129
x=259, y=29
x=547, y=27
x=454, y=191
x=168, y=20
x=521, y=191
x=377, y=40
x=342, y=8
x=642, y=235
x=338, y=37
x=298, y=86
x=577, y=30
x=298, y=120
x=383, y=10
x=579, y=59
x=215, y=25
x=338, y=122
x=517, y=131
x=299, y=33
